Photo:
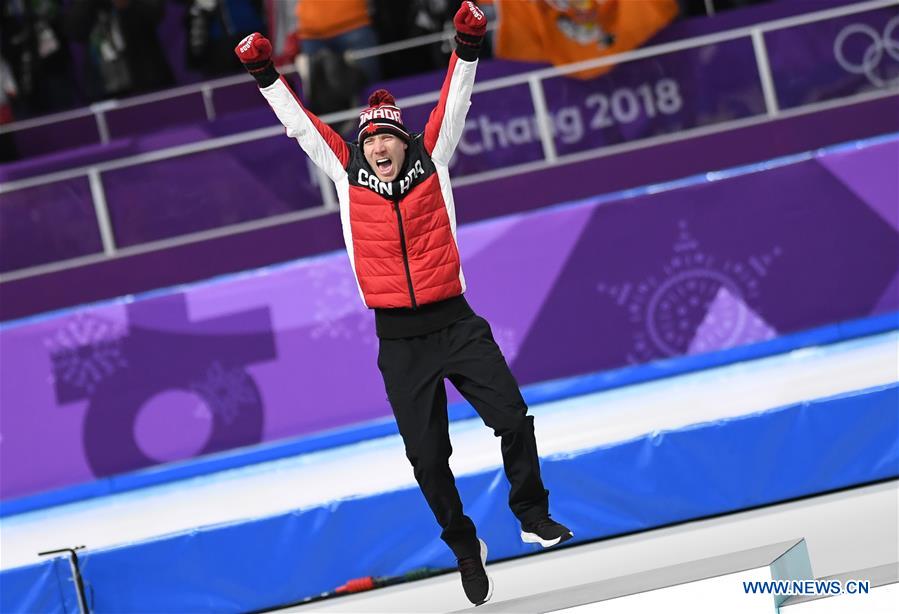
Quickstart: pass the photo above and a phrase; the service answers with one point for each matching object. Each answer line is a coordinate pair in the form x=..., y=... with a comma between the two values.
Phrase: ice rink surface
x=846, y=531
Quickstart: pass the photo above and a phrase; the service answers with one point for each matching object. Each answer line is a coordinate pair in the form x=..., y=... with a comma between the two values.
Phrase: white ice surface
x=845, y=531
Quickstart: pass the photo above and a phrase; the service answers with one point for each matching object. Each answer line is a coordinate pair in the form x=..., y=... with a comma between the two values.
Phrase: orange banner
x=566, y=31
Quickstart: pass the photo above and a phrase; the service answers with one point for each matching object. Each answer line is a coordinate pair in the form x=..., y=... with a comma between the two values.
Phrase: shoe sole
x=489, y=579
x=533, y=538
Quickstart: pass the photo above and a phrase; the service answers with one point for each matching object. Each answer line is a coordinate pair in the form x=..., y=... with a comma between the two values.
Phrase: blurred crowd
x=58, y=54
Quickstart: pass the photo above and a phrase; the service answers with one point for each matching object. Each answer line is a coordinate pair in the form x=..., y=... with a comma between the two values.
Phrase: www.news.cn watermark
x=807, y=587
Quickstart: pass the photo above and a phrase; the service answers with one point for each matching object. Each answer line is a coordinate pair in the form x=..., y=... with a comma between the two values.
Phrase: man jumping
x=399, y=225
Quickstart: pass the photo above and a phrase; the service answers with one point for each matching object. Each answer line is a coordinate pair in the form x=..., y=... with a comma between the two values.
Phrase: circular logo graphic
x=861, y=50
x=680, y=304
x=697, y=302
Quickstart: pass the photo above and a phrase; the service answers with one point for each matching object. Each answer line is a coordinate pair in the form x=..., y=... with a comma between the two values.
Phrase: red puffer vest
x=404, y=251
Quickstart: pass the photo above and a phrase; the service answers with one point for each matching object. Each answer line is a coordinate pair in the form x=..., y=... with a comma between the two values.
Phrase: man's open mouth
x=385, y=166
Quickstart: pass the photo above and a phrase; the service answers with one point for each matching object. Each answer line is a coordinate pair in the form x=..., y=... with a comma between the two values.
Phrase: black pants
x=414, y=369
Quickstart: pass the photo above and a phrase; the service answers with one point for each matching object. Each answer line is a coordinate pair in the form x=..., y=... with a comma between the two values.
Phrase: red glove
x=470, y=20
x=471, y=26
x=255, y=52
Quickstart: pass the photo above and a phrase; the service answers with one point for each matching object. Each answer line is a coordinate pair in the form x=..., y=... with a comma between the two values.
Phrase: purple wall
x=60, y=213
x=568, y=290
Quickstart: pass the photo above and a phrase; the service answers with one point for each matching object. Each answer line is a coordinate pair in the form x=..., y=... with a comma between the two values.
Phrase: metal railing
x=533, y=79
x=99, y=110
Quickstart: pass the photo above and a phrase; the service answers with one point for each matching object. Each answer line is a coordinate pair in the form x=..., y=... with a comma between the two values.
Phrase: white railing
x=533, y=79
x=99, y=109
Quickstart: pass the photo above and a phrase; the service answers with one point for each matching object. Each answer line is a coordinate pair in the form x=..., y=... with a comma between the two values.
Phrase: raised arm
x=323, y=145
x=447, y=120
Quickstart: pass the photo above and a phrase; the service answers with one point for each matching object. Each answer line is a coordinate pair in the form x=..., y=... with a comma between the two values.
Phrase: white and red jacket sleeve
x=321, y=143
x=447, y=120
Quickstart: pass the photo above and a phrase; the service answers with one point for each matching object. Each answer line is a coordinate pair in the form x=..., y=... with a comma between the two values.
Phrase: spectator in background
x=8, y=91
x=36, y=51
x=397, y=20
x=393, y=21
x=338, y=26
x=282, y=27
x=330, y=84
x=431, y=17
x=123, y=52
x=325, y=31
x=566, y=31
x=214, y=27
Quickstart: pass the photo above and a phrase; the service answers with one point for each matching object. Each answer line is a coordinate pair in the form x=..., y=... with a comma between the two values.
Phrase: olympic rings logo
x=873, y=55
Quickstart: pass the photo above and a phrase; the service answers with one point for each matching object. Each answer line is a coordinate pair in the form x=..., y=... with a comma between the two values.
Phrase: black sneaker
x=546, y=532
x=477, y=584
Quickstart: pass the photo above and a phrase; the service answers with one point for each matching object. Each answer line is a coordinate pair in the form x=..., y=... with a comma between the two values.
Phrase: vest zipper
x=399, y=221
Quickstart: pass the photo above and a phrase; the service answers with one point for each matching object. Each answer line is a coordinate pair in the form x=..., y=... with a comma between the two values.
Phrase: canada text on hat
x=382, y=115
x=382, y=112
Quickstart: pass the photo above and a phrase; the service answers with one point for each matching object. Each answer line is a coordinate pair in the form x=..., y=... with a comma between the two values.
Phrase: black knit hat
x=382, y=115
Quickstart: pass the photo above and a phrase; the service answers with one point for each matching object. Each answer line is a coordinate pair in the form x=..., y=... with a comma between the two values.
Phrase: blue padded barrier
x=46, y=587
x=534, y=394
x=653, y=480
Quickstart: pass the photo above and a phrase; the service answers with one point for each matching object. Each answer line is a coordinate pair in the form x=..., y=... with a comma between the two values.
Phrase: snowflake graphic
x=85, y=350
x=671, y=306
x=338, y=311
x=225, y=391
